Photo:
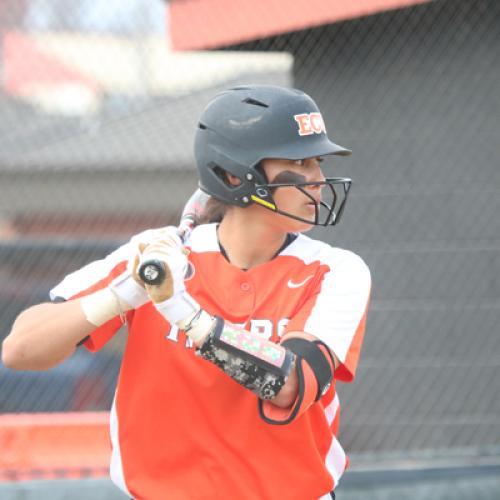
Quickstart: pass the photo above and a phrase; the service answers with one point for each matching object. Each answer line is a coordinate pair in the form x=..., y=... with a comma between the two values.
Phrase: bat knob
x=152, y=272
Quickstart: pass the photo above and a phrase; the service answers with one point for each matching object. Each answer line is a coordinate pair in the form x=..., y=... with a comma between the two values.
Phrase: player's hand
x=170, y=297
x=128, y=289
x=121, y=295
x=128, y=286
x=167, y=248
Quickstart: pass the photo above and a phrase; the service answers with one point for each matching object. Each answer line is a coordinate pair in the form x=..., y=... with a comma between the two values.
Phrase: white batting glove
x=126, y=291
x=170, y=297
x=128, y=288
x=123, y=294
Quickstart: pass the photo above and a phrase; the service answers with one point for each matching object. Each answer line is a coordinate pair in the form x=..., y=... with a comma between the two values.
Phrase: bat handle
x=152, y=272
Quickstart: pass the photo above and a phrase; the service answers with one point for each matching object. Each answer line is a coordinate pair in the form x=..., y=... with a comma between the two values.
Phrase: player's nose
x=316, y=173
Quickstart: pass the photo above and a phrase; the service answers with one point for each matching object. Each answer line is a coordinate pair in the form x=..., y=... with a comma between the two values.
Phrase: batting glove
x=170, y=297
x=121, y=295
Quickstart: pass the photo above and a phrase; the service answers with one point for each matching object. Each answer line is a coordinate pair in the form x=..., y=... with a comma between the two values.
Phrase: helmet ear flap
x=228, y=178
x=225, y=181
x=238, y=189
x=223, y=175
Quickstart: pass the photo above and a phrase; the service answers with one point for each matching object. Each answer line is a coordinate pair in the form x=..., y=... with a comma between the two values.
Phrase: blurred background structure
x=98, y=106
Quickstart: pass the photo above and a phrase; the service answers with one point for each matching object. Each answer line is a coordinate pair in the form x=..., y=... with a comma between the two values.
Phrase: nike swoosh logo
x=291, y=284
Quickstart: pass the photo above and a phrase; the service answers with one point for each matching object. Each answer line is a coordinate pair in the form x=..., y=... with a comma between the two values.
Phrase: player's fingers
x=162, y=253
x=134, y=271
x=164, y=291
x=170, y=236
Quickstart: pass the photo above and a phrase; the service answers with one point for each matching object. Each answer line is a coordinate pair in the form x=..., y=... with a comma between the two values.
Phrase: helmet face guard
x=327, y=212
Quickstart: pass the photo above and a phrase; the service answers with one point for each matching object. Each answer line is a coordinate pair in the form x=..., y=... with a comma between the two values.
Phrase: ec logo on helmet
x=310, y=123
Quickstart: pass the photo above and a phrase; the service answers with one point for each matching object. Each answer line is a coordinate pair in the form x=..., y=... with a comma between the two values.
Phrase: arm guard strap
x=257, y=364
x=315, y=366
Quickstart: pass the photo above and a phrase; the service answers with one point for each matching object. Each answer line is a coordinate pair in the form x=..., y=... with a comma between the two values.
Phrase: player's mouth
x=314, y=200
x=313, y=206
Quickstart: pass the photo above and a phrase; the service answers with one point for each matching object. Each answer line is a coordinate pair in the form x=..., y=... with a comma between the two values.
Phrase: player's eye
x=303, y=162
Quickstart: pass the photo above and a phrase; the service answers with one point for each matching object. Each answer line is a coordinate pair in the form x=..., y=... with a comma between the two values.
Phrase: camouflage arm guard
x=257, y=364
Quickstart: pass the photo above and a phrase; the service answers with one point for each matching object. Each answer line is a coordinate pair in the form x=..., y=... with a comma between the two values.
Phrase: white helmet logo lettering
x=310, y=123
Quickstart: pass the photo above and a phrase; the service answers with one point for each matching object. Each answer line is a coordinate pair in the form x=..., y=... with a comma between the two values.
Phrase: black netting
x=96, y=144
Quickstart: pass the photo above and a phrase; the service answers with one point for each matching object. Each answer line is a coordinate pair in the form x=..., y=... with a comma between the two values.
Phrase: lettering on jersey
x=282, y=324
x=263, y=328
x=310, y=123
x=173, y=335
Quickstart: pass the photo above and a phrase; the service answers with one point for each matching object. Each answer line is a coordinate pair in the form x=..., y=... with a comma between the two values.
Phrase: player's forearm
x=288, y=394
x=45, y=335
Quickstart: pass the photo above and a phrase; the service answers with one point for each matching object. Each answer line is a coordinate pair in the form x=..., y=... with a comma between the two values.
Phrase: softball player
x=227, y=385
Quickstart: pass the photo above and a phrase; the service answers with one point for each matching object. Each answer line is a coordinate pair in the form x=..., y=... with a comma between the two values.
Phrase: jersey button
x=245, y=286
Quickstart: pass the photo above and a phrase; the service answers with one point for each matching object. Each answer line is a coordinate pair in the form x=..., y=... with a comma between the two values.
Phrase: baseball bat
x=152, y=272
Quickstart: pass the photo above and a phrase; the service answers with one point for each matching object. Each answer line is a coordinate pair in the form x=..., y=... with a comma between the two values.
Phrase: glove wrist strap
x=179, y=309
x=129, y=291
x=198, y=326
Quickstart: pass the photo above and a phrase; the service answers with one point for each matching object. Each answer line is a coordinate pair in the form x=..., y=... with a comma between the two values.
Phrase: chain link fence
x=97, y=115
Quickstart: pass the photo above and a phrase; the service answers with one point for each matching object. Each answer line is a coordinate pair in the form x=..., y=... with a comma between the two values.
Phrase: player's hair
x=213, y=211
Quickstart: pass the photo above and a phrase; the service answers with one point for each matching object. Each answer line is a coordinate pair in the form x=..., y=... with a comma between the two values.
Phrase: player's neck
x=248, y=240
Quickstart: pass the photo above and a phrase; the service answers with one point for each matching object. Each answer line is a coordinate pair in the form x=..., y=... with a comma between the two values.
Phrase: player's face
x=290, y=199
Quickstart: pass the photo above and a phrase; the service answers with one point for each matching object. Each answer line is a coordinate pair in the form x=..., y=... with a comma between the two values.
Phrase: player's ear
x=232, y=179
x=228, y=178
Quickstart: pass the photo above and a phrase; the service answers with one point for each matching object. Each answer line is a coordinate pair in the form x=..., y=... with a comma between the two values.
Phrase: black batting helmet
x=244, y=125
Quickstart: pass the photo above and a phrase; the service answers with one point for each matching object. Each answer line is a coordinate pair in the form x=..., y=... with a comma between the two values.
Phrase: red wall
x=200, y=24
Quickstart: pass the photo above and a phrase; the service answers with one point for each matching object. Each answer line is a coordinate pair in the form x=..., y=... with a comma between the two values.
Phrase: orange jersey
x=180, y=427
